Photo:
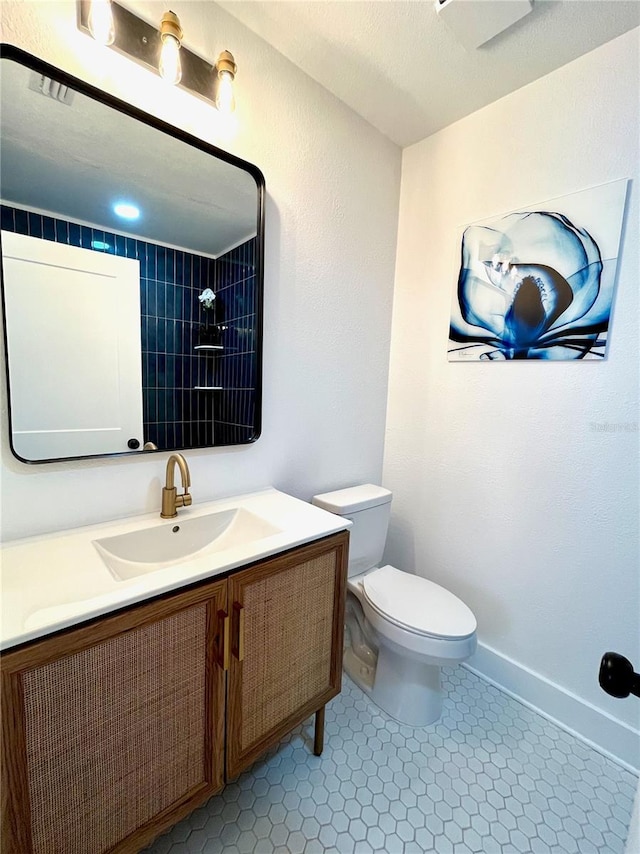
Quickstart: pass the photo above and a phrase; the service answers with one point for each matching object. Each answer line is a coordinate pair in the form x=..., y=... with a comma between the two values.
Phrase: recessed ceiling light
x=126, y=210
x=99, y=244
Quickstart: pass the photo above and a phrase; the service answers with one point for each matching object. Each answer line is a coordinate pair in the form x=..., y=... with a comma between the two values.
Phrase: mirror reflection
x=132, y=275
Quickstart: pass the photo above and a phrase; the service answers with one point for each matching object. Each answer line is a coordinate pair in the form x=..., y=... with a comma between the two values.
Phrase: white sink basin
x=139, y=552
x=53, y=581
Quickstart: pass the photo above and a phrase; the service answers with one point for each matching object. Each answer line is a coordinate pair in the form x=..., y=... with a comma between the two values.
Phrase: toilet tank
x=368, y=507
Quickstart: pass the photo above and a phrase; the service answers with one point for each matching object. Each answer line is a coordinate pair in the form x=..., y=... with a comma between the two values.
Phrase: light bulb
x=225, y=100
x=170, y=66
x=100, y=21
x=227, y=68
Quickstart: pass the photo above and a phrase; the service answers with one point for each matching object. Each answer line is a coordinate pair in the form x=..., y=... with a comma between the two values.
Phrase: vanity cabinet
x=114, y=730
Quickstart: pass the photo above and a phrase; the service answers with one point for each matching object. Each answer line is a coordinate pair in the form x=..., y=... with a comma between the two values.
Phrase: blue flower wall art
x=538, y=283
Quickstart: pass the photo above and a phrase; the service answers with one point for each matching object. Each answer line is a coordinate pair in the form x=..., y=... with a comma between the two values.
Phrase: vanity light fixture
x=160, y=50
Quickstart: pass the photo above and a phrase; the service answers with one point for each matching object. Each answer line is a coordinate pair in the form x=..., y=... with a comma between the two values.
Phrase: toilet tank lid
x=352, y=499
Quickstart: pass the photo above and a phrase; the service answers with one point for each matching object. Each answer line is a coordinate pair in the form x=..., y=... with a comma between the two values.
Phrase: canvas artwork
x=538, y=283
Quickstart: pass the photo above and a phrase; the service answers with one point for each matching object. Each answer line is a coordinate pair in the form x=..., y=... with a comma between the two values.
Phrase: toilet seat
x=417, y=605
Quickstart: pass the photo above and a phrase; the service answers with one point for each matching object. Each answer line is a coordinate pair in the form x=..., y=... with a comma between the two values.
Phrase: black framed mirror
x=132, y=275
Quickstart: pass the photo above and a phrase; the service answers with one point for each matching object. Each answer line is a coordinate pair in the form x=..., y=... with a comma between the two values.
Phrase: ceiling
x=399, y=66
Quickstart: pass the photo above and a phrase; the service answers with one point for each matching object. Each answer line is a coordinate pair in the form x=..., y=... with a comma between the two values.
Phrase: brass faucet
x=170, y=499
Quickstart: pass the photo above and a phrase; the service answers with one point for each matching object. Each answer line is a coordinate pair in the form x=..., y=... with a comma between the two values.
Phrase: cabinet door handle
x=223, y=656
x=238, y=650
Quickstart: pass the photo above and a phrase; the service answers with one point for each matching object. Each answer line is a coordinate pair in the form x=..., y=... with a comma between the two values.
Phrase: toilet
x=400, y=628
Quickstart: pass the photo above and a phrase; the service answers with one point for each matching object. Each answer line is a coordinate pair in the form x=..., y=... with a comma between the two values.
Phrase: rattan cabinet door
x=287, y=617
x=113, y=731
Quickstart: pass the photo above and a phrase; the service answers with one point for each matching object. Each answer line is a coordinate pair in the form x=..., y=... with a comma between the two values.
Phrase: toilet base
x=359, y=671
x=403, y=683
x=407, y=689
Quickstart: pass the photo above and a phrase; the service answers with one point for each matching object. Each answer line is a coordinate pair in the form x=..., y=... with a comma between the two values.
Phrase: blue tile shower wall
x=175, y=414
x=235, y=302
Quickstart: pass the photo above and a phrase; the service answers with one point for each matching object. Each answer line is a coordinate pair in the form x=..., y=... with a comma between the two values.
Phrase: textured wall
x=331, y=218
x=516, y=484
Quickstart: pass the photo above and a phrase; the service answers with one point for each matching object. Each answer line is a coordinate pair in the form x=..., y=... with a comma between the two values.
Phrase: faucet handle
x=184, y=500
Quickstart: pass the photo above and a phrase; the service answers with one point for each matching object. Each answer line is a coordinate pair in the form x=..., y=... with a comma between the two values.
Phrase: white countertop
x=54, y=581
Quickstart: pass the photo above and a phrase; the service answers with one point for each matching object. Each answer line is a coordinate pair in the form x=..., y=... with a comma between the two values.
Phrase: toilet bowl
x=417, y=626
x=400, y=628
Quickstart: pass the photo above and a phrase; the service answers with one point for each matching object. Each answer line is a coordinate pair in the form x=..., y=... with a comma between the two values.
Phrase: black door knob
x=616, y=676
x=133, y=444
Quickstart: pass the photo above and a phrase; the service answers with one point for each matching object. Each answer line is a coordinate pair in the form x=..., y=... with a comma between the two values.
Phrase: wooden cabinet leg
x=318, y=739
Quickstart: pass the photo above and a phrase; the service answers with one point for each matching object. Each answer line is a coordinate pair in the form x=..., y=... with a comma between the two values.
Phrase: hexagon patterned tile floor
x=491, y=776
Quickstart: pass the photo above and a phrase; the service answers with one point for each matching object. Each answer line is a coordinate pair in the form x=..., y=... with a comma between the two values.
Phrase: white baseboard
x=600, y=730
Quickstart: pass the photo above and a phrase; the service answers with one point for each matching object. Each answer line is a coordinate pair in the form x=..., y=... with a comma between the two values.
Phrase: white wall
x=331, y=217
x=503, y=489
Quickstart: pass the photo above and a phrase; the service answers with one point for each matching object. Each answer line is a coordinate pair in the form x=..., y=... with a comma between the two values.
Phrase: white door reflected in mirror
x=74, y=314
